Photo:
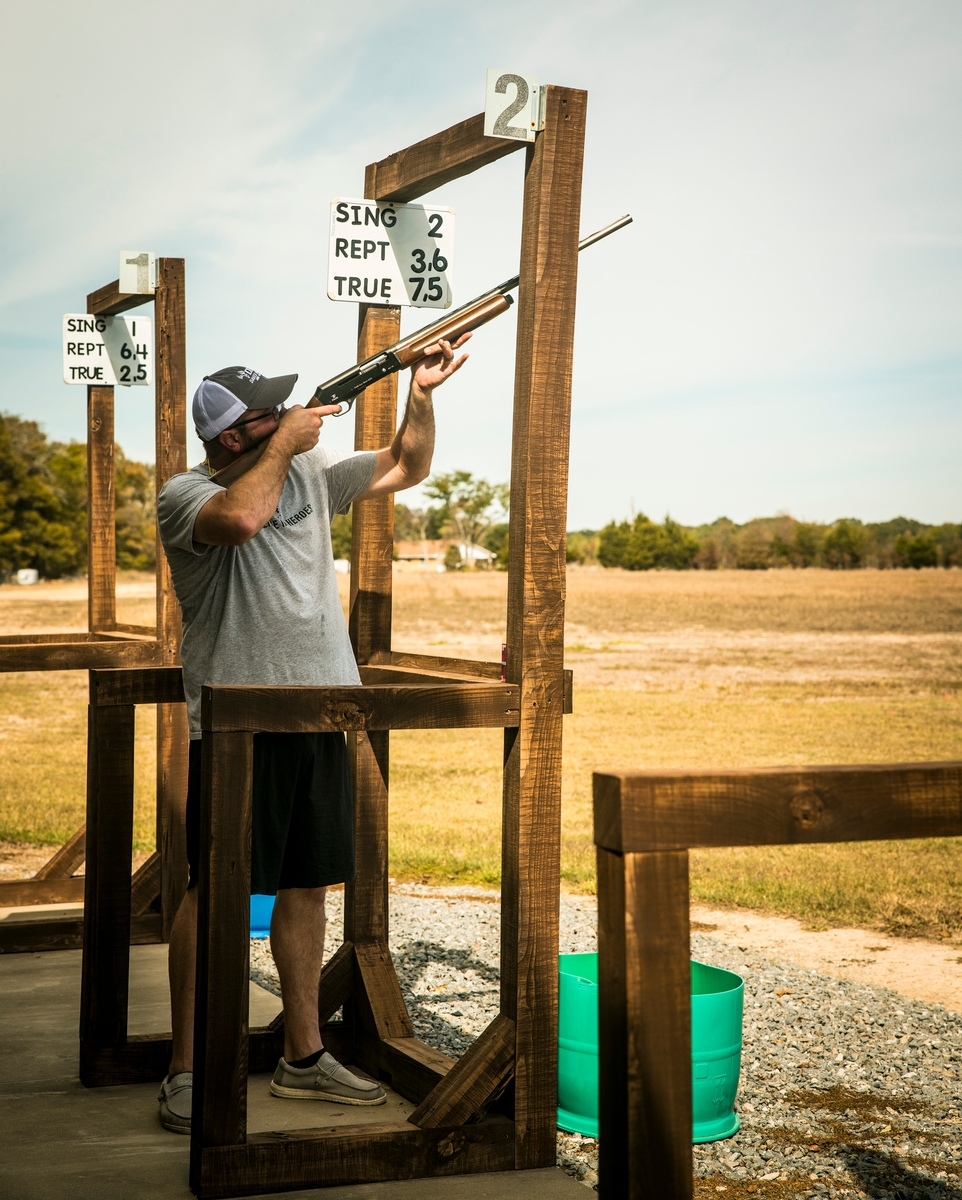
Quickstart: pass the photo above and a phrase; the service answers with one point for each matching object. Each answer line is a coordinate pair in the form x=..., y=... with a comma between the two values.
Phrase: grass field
x=672, y=669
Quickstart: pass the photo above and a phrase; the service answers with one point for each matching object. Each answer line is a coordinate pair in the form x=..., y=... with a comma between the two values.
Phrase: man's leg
x=181, y=968
x=298, y=926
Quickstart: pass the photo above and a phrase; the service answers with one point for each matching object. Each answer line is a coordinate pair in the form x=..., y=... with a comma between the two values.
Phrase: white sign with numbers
x=383, y=253
x=512, y=106
x=108, y=350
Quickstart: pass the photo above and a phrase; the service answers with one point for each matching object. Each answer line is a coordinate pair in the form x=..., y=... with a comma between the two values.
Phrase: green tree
x=496, y=540
x=581, y=546
x=341, y=535
x=613, y=543
x=41, y=525
x=918, y=551
x=643, y=545
x=845, y=544
x=415, y=524
x=468, y=506
x=807, y=544
x=136, y=513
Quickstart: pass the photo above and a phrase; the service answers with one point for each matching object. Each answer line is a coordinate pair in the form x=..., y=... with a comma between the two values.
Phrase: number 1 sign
x=384, y=253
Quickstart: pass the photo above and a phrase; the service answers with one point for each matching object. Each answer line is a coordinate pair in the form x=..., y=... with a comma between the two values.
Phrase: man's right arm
x=234, y=516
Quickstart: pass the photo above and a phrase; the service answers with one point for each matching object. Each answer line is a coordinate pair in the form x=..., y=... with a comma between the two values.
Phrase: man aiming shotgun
x=253, y=569
x=247, y=536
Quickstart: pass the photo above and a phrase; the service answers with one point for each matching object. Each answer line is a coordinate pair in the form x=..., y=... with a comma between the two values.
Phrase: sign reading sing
x=383, y=253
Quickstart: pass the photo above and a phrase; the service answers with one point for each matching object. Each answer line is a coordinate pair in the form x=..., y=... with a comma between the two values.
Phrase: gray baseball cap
x=225, y=396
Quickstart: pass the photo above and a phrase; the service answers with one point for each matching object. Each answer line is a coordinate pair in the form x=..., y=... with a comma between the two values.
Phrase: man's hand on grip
x=300, y=427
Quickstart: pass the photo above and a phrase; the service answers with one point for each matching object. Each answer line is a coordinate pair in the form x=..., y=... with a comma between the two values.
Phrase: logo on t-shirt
x=277, y=522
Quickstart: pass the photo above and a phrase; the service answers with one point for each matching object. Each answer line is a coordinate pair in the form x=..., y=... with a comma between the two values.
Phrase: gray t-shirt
x=266, y=612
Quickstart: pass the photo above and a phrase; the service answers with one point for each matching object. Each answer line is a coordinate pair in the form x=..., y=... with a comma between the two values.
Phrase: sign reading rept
x=108, y=350
x=382, y=253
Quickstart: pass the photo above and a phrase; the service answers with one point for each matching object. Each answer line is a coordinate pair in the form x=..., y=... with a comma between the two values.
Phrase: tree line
x=43, y=504
x=43, y=523
x=766, y=542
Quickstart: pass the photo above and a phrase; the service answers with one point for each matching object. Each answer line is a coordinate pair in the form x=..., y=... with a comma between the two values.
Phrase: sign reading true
x=383, y=253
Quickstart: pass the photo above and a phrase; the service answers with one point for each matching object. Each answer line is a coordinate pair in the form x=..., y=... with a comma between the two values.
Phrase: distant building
x=431, y=553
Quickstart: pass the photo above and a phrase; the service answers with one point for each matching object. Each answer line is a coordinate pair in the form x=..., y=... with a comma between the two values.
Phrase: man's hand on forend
x=439, y=364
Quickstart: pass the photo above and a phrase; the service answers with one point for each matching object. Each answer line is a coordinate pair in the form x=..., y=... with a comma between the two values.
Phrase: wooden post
x=644, y=1026
x=171, y=459
x=376, y=1007
x=372, y=531
x=110, y=816
x=101, y=527
x=536, y=593
x=223, y=948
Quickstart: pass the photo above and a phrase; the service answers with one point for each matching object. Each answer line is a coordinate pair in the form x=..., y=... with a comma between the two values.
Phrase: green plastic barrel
x=716, y=1047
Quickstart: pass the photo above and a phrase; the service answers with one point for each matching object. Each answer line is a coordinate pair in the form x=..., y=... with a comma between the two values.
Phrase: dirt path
x=923, y=970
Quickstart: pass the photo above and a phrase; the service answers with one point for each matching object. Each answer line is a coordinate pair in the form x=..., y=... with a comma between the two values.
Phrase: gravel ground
x=846, y=1090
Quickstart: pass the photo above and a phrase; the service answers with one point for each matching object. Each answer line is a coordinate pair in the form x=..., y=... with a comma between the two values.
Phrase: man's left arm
x=407, y=461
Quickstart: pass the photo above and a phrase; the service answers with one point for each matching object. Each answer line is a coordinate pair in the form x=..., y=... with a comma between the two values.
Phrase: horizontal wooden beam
x=469, y=668
x=110, y=300
x=67, y=933
x=82, y=653
x=319, y=709
x=675, y=810
x=354, y=1154
x=426, y=165
x=17, y=892
x=378, y=673
x=145, y=685
x=472, y=667
x=144, y=1058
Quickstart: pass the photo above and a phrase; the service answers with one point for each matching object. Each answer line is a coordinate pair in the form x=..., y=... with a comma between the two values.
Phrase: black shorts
x=303, y=813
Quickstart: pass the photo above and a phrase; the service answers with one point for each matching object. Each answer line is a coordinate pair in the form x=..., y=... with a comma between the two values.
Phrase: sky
x=779, y=330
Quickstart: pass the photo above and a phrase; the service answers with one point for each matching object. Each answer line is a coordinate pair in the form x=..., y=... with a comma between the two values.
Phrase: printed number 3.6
x=501, y=126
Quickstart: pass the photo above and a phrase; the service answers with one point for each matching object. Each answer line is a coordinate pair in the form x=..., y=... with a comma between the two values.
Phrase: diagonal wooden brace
x=476, y=1078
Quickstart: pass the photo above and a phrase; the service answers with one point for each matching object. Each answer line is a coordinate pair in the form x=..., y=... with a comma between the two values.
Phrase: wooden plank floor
x=107, y=1144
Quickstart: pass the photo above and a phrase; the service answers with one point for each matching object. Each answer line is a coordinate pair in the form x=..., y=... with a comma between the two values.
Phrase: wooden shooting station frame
x=495, y=1108
x=108, y=643
x=645, y=823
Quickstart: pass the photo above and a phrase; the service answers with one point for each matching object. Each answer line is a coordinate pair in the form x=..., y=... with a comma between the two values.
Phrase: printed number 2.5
x=501, y=126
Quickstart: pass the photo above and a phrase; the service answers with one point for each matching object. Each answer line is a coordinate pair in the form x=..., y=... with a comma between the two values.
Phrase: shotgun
x=344, y=389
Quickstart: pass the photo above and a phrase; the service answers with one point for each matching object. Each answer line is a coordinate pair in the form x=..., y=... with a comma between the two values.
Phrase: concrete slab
x=106, y=1143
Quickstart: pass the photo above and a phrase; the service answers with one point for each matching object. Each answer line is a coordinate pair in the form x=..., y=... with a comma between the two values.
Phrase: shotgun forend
x=343, y=389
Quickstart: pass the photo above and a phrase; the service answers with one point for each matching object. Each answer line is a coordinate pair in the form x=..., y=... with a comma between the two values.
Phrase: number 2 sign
x=512, y=105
